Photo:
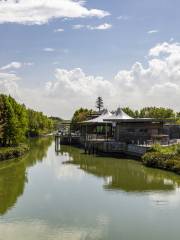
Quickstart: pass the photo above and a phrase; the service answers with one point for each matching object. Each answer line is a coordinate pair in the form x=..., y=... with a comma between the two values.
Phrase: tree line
x=83, y=114
x=152, y=112
x=17, y=122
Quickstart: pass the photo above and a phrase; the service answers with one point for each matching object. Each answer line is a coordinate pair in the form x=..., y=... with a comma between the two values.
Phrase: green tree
x=129, y=112
x=81, y=115
x=17, y=122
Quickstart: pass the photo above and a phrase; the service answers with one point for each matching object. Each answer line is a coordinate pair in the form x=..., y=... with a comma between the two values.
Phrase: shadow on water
x=13, y=174
x=123, y=174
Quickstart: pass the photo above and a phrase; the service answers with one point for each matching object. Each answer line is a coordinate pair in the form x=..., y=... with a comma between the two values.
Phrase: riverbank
x=7, y=153
x=166, y=158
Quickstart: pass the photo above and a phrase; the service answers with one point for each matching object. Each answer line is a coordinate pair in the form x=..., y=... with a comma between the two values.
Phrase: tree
x=81, y=115
x=99, y=103
x=17, y=122
x=129, y=112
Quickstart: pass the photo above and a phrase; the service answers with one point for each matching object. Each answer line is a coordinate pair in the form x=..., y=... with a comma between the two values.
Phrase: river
x=67, y=195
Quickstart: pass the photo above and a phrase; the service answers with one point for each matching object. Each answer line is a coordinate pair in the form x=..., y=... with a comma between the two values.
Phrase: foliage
x=56, y=122
x=99, y=103
x=167, y=158
x=151, y=112
x=38, y=123
x=13, y=152
x=17, y=122
x=130, y=112
x=81, y=115
x=172, y=149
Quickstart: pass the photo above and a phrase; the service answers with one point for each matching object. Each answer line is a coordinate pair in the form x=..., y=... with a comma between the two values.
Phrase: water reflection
x=13, y=173
x=126, y=175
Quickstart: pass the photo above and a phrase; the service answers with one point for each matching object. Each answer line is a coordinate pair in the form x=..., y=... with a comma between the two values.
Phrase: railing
x=136, y=149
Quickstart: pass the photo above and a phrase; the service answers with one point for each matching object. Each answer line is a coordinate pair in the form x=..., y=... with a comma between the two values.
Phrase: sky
x=60, y=55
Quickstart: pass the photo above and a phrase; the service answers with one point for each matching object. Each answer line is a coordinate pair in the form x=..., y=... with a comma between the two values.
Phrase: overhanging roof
x=119, y=114
x=135, y=120
x=105, y=115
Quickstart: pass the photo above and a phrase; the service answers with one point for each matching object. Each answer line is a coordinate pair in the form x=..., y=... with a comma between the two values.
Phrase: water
x=72, y=196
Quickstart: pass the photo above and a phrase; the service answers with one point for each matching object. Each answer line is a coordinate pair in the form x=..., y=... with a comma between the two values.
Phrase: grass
x=13, y=152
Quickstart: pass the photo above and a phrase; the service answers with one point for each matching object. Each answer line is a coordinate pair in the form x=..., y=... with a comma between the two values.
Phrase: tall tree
x=17, y=122
x=99, y=103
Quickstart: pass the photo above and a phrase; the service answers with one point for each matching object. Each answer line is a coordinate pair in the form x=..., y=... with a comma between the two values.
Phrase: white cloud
x=9, y=84
x=140, y=86
x=12, y=65
x=59, y=30
x=48, y=49
x=42, y=11
x=104, y=26
x=156, y=84
x=75, y=83
x=153, y=31
x=16, y=65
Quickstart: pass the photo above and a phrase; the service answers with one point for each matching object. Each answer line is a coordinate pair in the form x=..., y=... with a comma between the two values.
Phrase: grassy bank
x=13, y=152
x=167, y=158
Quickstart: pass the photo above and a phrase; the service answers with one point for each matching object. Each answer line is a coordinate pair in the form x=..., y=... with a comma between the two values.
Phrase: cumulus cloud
x=159, y=83
x=156, y=84
x=9, y=84
x=42, y=11
x=76, y=84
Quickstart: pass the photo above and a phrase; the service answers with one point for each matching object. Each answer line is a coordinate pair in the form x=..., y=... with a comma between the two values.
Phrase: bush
x=13, y=152
x=167, y=161
x=156, y=148
x=178, y=149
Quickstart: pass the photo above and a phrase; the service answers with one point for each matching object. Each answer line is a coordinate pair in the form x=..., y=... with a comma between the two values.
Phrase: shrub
x=156, y=148
x=178, y=149
x=167, y=161
x=13, y=152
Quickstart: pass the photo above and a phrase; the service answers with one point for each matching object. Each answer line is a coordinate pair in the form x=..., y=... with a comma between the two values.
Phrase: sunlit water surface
x=72, y=196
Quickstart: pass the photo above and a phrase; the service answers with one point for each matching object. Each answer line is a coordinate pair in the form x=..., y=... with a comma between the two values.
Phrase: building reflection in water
x=123, y=174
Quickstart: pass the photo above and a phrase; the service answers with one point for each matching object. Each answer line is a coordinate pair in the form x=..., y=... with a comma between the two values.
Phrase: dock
x=101, y=146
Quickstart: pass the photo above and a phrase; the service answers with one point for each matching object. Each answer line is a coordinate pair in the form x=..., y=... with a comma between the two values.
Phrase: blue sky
x=133, y=28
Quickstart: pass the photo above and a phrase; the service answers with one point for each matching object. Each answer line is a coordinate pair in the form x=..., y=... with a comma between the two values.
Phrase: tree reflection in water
x=13, y=173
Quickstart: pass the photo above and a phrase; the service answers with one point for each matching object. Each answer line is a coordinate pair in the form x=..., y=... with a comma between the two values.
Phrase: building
x=97, y=128
x=137, y=130
x=120, y=127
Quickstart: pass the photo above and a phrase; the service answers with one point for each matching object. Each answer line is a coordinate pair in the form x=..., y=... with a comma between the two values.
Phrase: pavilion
x=120, y=127
x=97, y=128
x=137, y=130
